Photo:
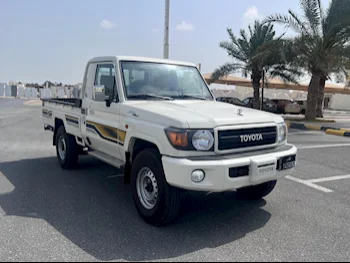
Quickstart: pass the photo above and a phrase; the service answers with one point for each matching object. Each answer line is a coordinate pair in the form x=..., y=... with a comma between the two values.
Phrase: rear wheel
x=303, y=112
x=67, y=149
x=156, y=201
x=257, y=192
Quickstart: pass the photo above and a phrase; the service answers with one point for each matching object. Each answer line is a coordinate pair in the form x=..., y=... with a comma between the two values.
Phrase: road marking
x=331, y=178
x=305, y=132
x=310, y=184
x=323, y=146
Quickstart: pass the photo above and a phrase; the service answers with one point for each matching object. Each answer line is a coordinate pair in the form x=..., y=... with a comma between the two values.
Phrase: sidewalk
x=336, y=112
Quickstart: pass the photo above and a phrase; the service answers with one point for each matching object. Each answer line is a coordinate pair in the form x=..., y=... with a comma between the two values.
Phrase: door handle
x=133, y=113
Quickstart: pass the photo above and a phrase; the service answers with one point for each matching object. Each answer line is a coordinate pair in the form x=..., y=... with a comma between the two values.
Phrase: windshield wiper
x=149, y=96
x=189, y=97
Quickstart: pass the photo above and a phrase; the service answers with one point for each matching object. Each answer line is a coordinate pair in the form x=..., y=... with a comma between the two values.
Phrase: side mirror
x=98, y=93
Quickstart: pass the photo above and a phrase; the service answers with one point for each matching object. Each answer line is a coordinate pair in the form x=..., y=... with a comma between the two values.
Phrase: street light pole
x=166, y=30
x=262, y=90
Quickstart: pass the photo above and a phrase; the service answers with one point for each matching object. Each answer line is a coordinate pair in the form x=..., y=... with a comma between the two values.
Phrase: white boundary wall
x=31, y=93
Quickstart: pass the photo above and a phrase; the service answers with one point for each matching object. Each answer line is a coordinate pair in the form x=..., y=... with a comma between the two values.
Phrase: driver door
x=102, y=117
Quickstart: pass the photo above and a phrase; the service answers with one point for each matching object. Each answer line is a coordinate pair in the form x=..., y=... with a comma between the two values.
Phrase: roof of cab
x=141, y=59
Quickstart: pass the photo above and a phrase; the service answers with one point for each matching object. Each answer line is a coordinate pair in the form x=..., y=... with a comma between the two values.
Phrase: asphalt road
x=47, y=214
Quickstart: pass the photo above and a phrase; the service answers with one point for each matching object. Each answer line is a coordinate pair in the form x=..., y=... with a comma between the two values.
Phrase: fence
x=30, y=93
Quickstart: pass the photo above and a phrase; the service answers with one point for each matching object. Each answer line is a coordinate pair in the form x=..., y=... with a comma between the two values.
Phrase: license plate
x=268, y=169
x=287, y=162
x=262, y=170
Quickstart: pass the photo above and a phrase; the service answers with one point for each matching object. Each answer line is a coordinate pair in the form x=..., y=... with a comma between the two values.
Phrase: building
x=337, y=96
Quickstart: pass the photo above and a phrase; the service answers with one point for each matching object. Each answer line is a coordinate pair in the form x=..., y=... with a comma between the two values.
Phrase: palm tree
x=260, y=51
x=322, y=44
x=340, y=69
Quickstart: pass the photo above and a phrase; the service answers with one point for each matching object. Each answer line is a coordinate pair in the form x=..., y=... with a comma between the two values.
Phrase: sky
x=52, y=40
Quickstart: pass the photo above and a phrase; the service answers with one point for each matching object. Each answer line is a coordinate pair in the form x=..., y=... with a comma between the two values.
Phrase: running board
x=108, y=159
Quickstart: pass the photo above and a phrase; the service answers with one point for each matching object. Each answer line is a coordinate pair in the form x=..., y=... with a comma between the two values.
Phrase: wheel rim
x=147, y=188
x=62, y=148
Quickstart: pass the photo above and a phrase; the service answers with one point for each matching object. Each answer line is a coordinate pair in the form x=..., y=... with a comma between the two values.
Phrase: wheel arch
x=135, y=146
x=58, y=123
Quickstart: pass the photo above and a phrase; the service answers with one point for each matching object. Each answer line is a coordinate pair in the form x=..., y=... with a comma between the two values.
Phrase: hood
x=200, y=114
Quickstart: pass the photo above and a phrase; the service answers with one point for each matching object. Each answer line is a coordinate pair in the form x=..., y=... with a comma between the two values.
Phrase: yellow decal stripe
x=109, y=132
x=71, y=117
x=121, y=135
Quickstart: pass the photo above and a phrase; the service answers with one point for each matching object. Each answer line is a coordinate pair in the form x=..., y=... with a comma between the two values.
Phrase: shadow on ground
x=97, y=213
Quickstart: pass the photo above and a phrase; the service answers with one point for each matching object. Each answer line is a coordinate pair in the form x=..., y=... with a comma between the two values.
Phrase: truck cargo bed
x=70, y=102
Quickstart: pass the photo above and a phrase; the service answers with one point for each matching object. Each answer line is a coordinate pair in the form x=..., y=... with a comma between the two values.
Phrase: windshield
x=144, y=80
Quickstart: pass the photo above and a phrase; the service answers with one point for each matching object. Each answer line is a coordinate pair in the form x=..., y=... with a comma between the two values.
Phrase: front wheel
x=257, y=192
x=156, y=201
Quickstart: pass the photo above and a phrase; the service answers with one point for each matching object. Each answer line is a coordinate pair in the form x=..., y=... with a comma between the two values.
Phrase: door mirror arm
x=108, y=100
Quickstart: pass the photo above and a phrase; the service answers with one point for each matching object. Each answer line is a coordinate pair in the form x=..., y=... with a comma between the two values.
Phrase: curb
x=345, y=132
x=337, y=112
x=338, y=132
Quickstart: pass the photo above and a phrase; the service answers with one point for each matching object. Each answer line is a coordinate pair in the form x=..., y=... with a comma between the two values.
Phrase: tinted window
x=246, y=101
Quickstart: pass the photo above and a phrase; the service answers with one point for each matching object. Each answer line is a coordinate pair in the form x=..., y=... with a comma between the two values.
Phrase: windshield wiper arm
x=189, y=97
x=147, y=96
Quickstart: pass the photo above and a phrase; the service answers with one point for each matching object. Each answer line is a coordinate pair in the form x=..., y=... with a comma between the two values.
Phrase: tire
x=257, y=192
x=67, y=149
x=303, y=112
x=160, y=203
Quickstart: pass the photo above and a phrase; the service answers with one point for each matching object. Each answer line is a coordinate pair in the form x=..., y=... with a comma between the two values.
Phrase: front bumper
x=225, y=173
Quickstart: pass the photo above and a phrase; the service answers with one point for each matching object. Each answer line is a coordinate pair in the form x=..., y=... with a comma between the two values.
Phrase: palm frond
x=225, y=70
x=288, y=74
x=233, y=51
x=289, y=21
x=232, y=37
x=304, y=30
x=337, y=11
x=319, y=3
x=312, y=14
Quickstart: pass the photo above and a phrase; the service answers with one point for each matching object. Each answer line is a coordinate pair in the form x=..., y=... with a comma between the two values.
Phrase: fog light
x=197, y=176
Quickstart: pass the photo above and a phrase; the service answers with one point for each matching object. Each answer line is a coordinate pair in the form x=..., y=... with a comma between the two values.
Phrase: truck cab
x=158, y=122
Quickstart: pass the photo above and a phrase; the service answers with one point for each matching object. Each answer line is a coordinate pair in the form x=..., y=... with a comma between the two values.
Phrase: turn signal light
x=177, y=139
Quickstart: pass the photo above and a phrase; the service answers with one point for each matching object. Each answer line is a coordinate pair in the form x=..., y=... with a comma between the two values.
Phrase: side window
x=105, y=75
x=89, y=81
x=246, y=101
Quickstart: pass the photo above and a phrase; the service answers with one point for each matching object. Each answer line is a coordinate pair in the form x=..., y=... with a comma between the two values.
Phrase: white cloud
x=250, y=15
x=183, y=26
x=155, y=29
x=107, y=24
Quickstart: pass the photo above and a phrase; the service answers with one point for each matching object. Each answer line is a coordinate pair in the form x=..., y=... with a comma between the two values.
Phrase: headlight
x=203, y=140
x=282, y=132
x=190, y=140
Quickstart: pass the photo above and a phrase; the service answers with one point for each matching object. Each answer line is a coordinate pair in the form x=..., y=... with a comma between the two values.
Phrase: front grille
x=244, y=138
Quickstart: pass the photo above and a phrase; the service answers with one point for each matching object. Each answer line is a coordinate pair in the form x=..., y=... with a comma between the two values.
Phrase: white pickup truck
x=158, y=122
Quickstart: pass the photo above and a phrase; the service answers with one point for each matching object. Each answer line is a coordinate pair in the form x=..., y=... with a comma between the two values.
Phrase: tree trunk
x=256, y=87
x=320, y=97
x=312, y=96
